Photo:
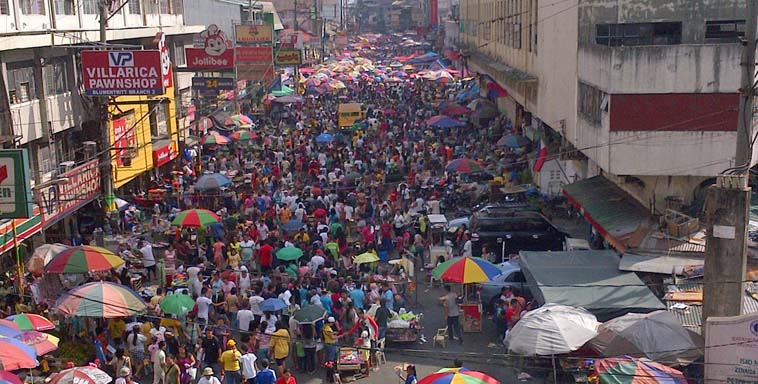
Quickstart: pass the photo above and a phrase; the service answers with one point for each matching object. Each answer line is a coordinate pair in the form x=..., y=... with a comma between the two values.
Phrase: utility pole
x=727, y=202
x=104, y=118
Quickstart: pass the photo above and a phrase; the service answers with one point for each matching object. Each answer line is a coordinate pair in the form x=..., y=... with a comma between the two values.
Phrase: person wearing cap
x=124, y=376
x=208, y=377
x=266, y=375
x=230, y=359
x=330, y=339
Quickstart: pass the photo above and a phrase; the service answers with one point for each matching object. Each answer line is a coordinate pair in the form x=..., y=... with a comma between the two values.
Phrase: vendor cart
x=350, y=360
x=404, y=328
x=471, y=309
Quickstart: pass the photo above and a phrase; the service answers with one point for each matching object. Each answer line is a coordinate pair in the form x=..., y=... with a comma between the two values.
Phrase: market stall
x=404, y=327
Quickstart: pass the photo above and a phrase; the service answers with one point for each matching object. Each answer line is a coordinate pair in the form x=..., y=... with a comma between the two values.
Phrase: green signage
x=15, y=188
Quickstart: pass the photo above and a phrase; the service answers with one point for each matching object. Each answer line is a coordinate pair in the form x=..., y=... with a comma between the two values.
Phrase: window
x=180, y=56
x=4, y=8
x=615, y=35
x=56, y=78
x=164, y=6
x=21, y=82
x=89, y=7
x=32, y=7
x=590, y=102
x=134, y=7
x=64, y=7
x=725, y=29
x=159, y=116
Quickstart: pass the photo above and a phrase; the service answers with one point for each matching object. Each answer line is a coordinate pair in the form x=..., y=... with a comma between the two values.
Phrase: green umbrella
x=289, y=253
x=177, y=304
x=310, y=314
x=285, y=91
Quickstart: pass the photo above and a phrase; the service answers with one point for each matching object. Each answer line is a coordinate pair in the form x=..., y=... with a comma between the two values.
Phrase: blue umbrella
x=442, y=121
x=293, y=225
x=513, y=141
x=273, y=305
x=324, y=138
x=212, y=181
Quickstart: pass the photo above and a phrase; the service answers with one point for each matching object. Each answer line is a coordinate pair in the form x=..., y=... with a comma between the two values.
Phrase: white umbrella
x=657, y=335
x=42, y=255
x=121, y=204
x=552, y=330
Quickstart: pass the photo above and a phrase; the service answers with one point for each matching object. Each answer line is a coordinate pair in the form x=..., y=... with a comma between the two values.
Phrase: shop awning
x=640, y=260
x=611, y=211
x=163, y=152
x=587, y=279
x=25, y=228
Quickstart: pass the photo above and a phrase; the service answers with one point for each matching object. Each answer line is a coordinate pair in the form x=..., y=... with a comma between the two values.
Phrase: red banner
x=164, y=154
x=258, y=55
x=115, y=73
x=433, y=11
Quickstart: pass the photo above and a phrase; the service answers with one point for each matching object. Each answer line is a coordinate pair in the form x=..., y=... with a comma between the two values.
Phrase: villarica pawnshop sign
x=116, y=73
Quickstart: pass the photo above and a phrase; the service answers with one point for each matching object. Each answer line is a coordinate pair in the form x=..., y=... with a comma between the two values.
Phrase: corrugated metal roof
x=690, y=314
x=642, y=260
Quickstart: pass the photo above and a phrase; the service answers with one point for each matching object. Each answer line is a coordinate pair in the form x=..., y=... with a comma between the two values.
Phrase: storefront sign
x=164, y=154
x=25, y=228
x=115, y=73
x=258, y=55
x=731, y=349
x=254, y=34
x=15, y=186
x=166, y=72
x=123, y=139
x=212, y=84
x=256, y=72
x=215, y=51
x=285, y=57
x=59, y=200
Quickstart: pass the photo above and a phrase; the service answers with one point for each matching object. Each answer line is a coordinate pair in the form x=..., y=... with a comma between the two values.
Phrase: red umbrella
x=319, y=212
x=9, y=378
x=456, y=111
x=81, y=375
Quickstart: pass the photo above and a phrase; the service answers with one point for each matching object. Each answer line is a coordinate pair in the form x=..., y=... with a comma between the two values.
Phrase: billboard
x=254, y=34
x=124, y=139
x=286, y=57
x=212, y=84
x=81, y=187
x=731, y=349
x=116, y=73
x=15, y=186
x=166, y=72
x=258, y=55
x=212, y=51
x=256, y=72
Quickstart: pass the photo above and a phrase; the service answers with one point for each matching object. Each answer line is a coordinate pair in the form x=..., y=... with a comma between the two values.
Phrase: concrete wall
x=205, y=12
x=654, y=189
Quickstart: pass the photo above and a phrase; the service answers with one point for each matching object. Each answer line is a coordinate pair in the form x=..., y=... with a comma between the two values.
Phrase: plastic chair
x=440, y=337
x=380, y=357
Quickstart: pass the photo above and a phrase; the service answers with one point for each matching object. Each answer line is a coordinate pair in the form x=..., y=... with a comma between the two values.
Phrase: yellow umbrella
x=366, y=257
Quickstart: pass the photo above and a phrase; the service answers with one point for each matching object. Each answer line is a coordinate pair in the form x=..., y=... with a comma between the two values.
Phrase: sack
x=192, y=372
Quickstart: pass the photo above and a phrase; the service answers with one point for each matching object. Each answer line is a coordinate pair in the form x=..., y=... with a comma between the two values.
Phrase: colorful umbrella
x=14, y=354
x=456, y=111
x=289, y=99
x=466, y=270
x=238, y=120
x=214, y=138
x=84, y=259
x=289, y=253
x=195, y=218
x=243, y=135
x=100, y=299
x=9, y=329
x=464, y=166
x=442, y=121
x=629, y=370
x=41, y=342
x=366, y=257
x=177, y=304
x=9, y=378
x=81, y=375
x=273, y=305
x=42, y=255
x=459, y=377
x=310, y=314
x=31, y=322
x=212, y=181
x=513, y=141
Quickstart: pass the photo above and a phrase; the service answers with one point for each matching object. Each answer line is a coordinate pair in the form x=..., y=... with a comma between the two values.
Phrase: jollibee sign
x=115, y=73
x=213, y=50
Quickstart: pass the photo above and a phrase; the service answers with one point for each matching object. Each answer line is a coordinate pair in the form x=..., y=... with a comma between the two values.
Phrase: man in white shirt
x=208, y=377
x=244, y=316
x=255, y=301
x=203, y=303
x=148, y=259
x=159, y=363
x=247, y=363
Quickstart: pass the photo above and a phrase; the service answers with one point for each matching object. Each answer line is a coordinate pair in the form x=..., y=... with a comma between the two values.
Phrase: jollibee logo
x=215, y=41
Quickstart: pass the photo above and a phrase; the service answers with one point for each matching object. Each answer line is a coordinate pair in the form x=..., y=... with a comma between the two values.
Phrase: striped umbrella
x=84, y=259
x=41, y=342
x=100, y=299
x=195, y=218
x=81, y=375
x=464, y=166
x=31, y=322
x=214, y=138
x=243, y=135
x=9, y=378
x=459, y=377
x=14, y=354
x=630, y=370
x=9, y=329
x=466, y=270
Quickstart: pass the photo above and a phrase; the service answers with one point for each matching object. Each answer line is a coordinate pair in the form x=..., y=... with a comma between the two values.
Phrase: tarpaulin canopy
x=587, y=279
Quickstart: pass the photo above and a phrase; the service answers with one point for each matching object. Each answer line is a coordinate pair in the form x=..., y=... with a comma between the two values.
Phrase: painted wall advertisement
x=116, y=73
x=15, y=185
x=731, y=349
x=286, y=57
x=81, y=187
x=256, y=72
x=162, y=155
x=212, y=50
x=166, y=71
x=257, y=55
x=254, y=34
x=123, y=139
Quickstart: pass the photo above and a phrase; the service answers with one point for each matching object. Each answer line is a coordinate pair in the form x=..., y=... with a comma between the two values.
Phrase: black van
x=508, y=232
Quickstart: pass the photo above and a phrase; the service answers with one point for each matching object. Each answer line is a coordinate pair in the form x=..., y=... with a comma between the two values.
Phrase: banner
x=15, y=184
x=163, y=154
x=212, y=51
x=254, y=34
x=59, y=200
x=257, y=55
x=731, y=349
x=116, y=73
x=123, y=139
x=286, y=57
x=166, y=67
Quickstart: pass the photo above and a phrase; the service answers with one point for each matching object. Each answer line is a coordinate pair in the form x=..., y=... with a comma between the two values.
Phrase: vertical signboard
x=15, y=185
x=731, y=349
x=123, y=139
x=166, y=71
x=212, y=51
